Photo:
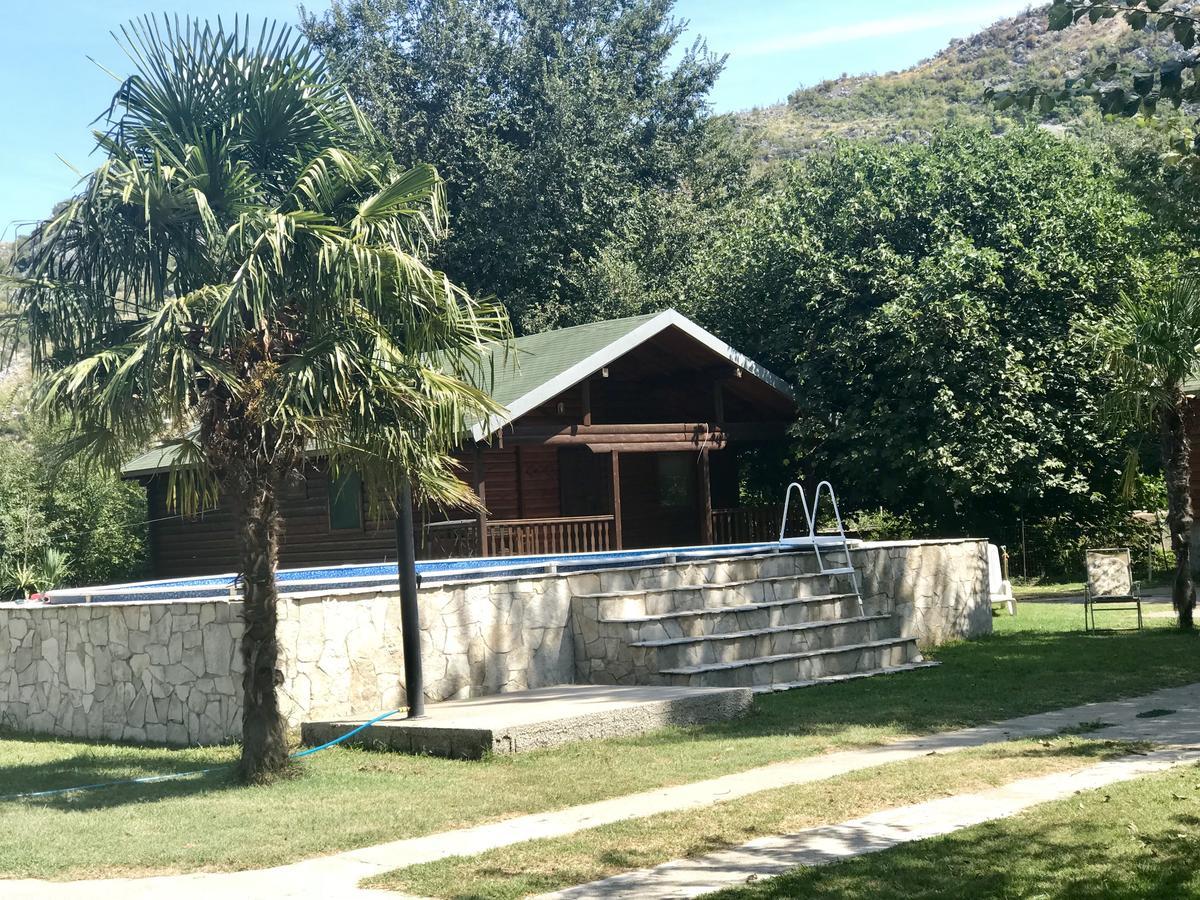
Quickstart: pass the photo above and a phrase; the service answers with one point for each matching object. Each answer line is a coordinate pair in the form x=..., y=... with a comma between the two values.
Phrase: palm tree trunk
x=1177, y=469
x=264, y=740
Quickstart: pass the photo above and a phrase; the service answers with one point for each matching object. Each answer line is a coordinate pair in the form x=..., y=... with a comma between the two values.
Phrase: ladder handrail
x=787, y=499
x=810, y=519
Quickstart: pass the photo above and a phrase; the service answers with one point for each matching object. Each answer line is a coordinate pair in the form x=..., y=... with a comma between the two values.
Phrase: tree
x=1151, y=344
x=1142, y=350
x=923, y=300
x=89, y=515
x=246, y=265
x=546, y=117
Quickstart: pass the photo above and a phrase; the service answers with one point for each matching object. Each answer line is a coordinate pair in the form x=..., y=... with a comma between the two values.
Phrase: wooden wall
x=205, y=544
x=521, y=482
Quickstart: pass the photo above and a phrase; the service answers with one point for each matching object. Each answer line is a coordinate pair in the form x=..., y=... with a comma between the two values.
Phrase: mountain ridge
x=948, y=87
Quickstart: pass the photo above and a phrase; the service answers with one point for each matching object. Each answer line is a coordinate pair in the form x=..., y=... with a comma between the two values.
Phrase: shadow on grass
x=990, y=678
x=105, y=764
x=1011, y=859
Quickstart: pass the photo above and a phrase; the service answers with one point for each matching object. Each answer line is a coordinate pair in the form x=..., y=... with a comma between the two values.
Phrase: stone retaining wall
x=938, y=590
x=160, y=672
x=170, y=671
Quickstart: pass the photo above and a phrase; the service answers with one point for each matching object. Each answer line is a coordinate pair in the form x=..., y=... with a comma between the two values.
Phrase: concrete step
x=834, y=679
x=666, y=600
x=787, y=668
x=725, y=619
x=718, y=647
x=713, y=571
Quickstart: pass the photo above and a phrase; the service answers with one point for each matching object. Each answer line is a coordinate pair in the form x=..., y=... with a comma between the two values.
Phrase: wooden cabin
x=616, y=435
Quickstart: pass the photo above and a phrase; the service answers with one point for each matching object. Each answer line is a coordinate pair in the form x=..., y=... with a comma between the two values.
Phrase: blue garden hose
x=153, y=779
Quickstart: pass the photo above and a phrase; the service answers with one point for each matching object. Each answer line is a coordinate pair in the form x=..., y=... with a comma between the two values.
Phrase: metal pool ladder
x=810, y=519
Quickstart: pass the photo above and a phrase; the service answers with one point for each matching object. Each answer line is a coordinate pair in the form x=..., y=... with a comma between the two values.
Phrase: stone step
x=741, y=617
x=788, y=668
x=672, y=653
x=709, y=571
x=834, y=679
x=667, y=600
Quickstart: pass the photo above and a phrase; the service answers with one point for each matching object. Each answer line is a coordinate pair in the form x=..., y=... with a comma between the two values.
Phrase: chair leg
x=1012, y=608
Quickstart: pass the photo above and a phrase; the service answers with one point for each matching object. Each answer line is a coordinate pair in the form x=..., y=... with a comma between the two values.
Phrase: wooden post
x=703, y=474
x=616, y=498
x=481, y=491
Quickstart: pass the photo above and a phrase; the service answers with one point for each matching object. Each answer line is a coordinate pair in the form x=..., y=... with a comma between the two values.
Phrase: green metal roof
x=537, y=359
x=156, y=459
x=534, y=368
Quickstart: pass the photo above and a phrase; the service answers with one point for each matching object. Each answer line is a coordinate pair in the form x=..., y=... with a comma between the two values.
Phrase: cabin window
x=345, y=502
x=676, y=480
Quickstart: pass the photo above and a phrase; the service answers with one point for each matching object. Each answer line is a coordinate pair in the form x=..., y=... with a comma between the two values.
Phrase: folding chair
x=1110, y=585
x=999, y=589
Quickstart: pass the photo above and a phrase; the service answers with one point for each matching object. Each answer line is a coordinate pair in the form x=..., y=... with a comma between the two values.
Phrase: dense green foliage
x=924, y=300
x=548, y=119
x=48, y=505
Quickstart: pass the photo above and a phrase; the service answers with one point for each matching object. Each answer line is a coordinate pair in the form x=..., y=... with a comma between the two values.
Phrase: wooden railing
x=567, y=534
x=746, y=525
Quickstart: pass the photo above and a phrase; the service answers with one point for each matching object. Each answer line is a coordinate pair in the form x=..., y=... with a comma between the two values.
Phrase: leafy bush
x=883, y=525
x=61, y=522
x=924, y=301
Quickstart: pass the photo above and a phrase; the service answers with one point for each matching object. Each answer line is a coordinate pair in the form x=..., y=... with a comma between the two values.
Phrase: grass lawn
x=1131, y=841
x=1025, y=590
x=341, y=799
x=546, y=865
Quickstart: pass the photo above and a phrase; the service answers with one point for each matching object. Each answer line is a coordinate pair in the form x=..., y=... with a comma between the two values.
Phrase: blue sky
x=53, y=92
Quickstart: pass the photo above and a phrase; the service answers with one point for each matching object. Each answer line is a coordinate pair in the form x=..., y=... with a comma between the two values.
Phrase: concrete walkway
x=769, y=857
x=337, y=875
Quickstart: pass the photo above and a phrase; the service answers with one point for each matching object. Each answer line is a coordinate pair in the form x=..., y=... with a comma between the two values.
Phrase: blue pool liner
x=343, y=577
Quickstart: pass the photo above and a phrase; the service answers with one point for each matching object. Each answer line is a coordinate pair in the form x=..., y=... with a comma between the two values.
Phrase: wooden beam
x=481, y=492
x=620, y=428
x=647, y=431
x=696, y=440
x=616, y=498
x=703, y=474
x=654, y=446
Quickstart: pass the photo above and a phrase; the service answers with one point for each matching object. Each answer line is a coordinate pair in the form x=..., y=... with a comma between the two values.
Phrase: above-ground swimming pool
x=433, y=571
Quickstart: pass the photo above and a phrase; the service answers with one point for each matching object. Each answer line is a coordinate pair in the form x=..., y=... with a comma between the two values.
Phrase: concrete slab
x=521, y=721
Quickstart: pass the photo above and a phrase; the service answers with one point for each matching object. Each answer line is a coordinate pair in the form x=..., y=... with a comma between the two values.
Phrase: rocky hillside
x=949, y=86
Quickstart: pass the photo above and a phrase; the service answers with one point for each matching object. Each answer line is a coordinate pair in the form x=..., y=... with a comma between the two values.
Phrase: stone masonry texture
x=170, y=671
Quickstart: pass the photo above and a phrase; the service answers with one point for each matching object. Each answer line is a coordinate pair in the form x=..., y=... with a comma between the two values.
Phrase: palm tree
x=1151, y=346
x=245, y=268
